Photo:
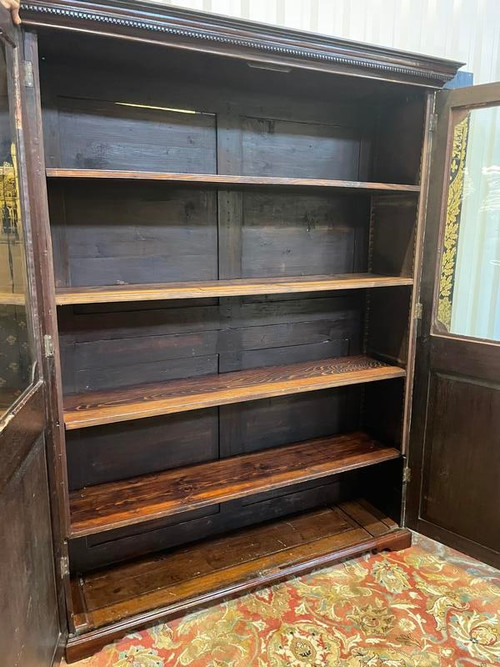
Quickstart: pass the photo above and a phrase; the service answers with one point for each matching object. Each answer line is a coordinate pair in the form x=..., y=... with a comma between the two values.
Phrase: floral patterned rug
x=427, y=606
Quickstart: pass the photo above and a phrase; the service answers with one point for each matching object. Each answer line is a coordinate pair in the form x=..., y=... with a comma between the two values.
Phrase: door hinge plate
x=64, y=566
x=419, y=310
x=28, y=74
x=406, y=475
x=48, y=346
x=433, y=121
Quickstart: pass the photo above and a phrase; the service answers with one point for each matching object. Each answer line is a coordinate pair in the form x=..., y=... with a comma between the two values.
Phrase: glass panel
x=16, y=359
x=469, y=294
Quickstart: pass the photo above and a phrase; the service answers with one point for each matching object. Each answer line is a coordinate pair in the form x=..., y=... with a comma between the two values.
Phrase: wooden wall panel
x=257, y=425
x=113, y=233
x=303, y=234
x=128, y=449
x=299, y=150
x=97, y=134
x=462, y=444
x=140, y=346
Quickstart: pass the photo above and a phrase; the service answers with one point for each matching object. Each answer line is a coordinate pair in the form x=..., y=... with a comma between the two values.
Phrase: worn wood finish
x=208, y=259
x=230, y=180
x=44, y=277
x=453, y=491
x=30, y=630
x=109, y=506
x=140, y=234
x=119, y=599
x=220, y=288
x=460, y=450
x=30, y=625
x=182, y=339
x=22, y=423
x=235, y=38
x=82, y=411
x=131, y=542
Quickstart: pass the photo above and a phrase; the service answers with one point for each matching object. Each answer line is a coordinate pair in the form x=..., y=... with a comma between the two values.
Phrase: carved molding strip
x=264, y=45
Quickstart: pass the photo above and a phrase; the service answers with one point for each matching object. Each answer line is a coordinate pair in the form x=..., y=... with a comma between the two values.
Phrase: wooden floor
x=108, y=506
x=111, y=602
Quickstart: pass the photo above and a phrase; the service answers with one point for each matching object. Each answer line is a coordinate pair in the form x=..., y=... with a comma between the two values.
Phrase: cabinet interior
x=211, y=218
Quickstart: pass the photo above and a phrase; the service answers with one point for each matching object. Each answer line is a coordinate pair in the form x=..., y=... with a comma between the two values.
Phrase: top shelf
x=228, y=180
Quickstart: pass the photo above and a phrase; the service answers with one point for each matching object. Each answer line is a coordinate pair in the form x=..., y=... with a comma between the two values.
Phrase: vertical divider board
x=230, y=221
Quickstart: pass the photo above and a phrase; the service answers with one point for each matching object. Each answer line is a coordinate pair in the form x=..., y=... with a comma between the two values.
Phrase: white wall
x=465, y=30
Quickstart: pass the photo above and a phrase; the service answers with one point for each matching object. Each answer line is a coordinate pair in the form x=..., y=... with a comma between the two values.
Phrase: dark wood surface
x=109, y=506
x=242, y=39
x=82, y=411
x=229, y=179
x=181, y=339
x=222, y=288
x=453, y=494
x=280, y=174
x=30, y=630
x=119, y=599
x=130, y=542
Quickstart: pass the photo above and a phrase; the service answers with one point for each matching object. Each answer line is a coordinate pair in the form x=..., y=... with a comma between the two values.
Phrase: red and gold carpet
x=428, y=606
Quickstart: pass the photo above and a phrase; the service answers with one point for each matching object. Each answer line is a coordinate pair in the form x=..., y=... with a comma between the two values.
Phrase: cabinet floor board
x=111, y=602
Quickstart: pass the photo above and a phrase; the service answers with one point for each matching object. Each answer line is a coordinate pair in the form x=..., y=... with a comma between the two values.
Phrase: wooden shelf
x=227, y=179
x=112, y=602
x=149, y=400
x=108, y=506
x=11, y=299
x=220, y=288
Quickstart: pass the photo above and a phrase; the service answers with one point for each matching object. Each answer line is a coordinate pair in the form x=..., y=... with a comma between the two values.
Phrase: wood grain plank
x=115, y=504
x=225, y=565
x=228, y=179
x=225, y=288
x=148, y=400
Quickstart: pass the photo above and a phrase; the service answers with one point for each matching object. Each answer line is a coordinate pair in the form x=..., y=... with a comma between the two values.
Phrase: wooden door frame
x=36, y=194
x=13, y=441
x=488, y=360
x=28, y=417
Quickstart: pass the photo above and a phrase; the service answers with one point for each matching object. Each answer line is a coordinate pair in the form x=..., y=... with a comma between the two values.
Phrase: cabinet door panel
x=29, y=632
x=455, y=440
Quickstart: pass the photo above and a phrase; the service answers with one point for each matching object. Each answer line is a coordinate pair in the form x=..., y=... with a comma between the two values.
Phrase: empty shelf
x=149, y=400
x=113, y=505
x=228, y=179
x=223, y=288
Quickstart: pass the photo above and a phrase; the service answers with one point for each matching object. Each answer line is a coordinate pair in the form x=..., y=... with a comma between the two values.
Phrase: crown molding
x=138, y=19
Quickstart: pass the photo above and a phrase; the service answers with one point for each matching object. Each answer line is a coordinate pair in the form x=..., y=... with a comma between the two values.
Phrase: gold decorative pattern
x=452, y=222
x=15, y=358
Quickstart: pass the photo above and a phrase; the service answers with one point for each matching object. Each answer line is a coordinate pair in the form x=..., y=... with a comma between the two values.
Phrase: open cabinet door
x=29, y=628
x=454, y=490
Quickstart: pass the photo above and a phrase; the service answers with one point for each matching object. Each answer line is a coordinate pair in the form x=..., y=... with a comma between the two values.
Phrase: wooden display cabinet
x=228, y=223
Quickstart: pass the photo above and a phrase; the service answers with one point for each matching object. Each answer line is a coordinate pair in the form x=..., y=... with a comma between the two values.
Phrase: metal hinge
x=419, y=311
x=406, y=475
x=48, y=346
x=28, y=74
x=433, y=121
x=64, y=566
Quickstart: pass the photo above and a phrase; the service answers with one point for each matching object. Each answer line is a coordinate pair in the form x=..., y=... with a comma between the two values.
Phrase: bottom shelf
x=112, y=602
